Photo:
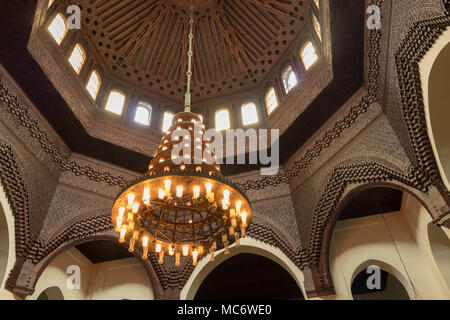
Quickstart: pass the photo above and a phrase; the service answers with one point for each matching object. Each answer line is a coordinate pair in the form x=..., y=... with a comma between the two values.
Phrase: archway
x=108, y=271
x=4, y=244
x=440, y=249
x=7, y=243
x=248, y=276
x=375, y=283
x=397, y=236
x=249, y=246
x=435, y=77
x=51, y=293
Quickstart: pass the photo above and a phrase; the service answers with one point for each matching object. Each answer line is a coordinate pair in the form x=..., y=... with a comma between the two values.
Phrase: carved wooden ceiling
x=236, y=43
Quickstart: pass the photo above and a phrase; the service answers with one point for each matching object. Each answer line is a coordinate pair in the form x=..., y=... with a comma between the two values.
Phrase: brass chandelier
x=186, y=209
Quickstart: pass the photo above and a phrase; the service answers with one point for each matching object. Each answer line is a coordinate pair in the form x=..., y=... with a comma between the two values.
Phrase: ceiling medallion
x=186, y=209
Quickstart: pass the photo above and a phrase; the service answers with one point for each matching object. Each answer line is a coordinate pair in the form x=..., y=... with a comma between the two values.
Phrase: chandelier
x=186, y=209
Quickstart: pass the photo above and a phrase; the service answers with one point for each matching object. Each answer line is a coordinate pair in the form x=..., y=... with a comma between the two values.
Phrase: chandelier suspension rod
x=187, y=97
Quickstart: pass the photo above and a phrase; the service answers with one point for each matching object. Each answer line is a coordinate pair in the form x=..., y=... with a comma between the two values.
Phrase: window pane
x=77, y=57
x=143, y=113
x=309, y=55
x=167, y=121
x=249, y=114
x=317, y=27
x=271, y=100
x=115, y=102
x=222, y=120
x=93, y=84
x=58, y=28
x=289, y=79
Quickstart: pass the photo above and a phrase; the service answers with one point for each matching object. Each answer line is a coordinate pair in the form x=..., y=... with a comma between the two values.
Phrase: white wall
x=112, y=280
x=437, y=108
x=121, y=279
x=392, y=241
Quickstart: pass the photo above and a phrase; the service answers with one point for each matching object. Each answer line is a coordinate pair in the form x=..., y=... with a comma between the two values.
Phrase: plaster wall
x=112, y=280
x=397, y=242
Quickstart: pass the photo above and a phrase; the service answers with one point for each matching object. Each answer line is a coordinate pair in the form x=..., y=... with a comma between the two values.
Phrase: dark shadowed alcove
x=248, y=276
x=390, y=288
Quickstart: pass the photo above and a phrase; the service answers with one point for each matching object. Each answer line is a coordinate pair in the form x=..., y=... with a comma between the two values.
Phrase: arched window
x=77, y=58
x=93, y=84
x=289, y=79
x=271, y=100
x=316, y=24
x=249, y=114
x=143, y=113
x=115, y=102
x=309, y=55
x=58, y=28
x=222, y=119
x=167, y=121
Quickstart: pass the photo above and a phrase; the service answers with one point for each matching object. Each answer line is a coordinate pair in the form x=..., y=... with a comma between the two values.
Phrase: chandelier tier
x=186, y=209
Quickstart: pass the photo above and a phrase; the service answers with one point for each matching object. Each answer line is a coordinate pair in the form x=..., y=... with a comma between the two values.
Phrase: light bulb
x=130, y=199
x=146, y=196
x=158, y=247
x=179, y=191
x=145, y=247
x=238, y=206
x=244, y=218
x=145, y=241
x=135, y=207
x=171, y=250
x=121, y=212
x=167, y=184
x=194, y=257
x=123, y=232
x=185, y=251
x=182, y=167
x=226, y=195
x=160, y=194
x=118, y=224
x=196, y=192
x=224, y=204
x=208, y=187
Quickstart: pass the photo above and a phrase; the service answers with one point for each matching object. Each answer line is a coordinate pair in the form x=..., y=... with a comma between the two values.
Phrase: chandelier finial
x=187, y=97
